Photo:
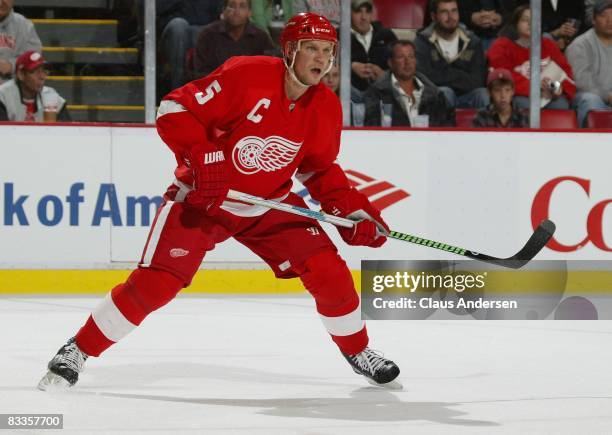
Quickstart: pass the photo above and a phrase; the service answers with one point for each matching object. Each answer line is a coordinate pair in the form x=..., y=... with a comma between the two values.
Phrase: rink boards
x=76, y=202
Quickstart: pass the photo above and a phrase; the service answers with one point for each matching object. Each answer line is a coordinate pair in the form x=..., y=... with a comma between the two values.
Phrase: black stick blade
x=536, y=242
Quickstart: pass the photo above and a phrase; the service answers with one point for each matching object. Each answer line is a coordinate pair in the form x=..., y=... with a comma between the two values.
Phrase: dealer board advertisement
x=84, y=197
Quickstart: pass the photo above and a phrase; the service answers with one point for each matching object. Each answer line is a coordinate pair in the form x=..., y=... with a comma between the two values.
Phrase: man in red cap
x=250, y=126
x=501, y=113
x=25, y=98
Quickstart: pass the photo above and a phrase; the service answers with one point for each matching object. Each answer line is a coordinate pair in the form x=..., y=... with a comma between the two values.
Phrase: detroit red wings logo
x=253, y=154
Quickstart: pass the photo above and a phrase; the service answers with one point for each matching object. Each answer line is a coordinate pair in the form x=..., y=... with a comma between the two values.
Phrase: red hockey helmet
x=303, y=27
x=307, y=26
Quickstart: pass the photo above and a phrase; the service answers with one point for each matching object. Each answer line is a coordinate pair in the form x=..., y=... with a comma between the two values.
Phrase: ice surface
x=265, y=365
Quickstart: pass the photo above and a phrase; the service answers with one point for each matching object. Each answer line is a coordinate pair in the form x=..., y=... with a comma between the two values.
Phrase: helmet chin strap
x=292, y=71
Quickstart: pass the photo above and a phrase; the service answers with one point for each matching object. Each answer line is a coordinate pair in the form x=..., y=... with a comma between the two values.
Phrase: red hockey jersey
x=265, y=137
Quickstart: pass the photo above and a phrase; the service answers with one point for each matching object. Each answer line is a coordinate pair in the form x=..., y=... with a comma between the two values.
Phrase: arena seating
x=404, y=17
x=407, y=14
x=549, y=119
x=77, y=48
x=464, y=117
x=558, y=119
x=51, y=4
x=599, y=119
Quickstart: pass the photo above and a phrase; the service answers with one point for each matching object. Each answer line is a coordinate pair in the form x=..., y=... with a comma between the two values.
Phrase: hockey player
x=250, y=126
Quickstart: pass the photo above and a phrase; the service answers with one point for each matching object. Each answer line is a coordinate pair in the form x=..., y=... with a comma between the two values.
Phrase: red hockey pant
x=178, y=241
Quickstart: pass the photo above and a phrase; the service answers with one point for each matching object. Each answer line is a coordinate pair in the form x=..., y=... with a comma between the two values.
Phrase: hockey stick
x=536, y=242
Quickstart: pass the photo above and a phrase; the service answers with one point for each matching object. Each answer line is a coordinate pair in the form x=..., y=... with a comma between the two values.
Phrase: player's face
x=5, y=7
x=311, y=61
x=523, y=27
x=501, y=96
x=603, y=23
x=403, y=62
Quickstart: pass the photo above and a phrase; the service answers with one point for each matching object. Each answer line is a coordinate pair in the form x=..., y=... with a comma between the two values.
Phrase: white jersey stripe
x=111, y=321
x=303, y=177
x=155, y=233
x=169, y=106
x=247, y=210
x=344, y=325
x=184, y=189
x=236, y=208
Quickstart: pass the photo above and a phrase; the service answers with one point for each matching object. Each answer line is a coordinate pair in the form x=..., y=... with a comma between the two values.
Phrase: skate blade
x=393, y=385
x=53, y=382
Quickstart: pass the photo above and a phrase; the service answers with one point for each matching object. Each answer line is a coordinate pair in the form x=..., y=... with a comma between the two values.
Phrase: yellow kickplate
x=62, y=282
x=68, y=21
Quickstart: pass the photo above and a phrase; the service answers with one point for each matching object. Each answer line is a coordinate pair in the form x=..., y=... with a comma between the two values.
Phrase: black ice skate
x=64, y=367
x=378, y=370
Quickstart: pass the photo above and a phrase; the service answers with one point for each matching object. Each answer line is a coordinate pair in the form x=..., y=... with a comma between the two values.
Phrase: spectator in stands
x=483, y=17
x=129, y=27
x=332, y=79
x=405, y=97
x=588, y=13
x=17, y=35
x=591, y=58
x=511, y=51
x=181, y=21
x=501, y=113
x=26, y=98
x=452, y=57
x=562, y=20
x=509, y=6
x=330, y=9
x=271, y=15
x=233, y=35
x=369, y=42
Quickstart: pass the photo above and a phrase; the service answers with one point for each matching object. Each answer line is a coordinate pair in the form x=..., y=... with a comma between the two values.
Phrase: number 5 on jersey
x=211, y=90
